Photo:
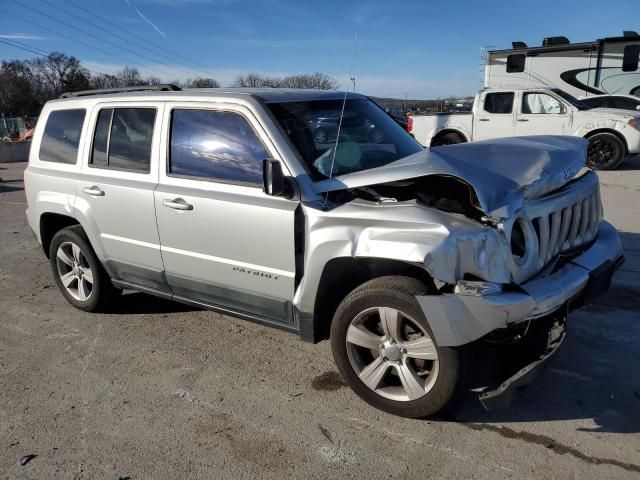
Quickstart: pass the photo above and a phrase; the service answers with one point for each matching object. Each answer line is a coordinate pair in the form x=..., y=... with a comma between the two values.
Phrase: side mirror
x=273, y=181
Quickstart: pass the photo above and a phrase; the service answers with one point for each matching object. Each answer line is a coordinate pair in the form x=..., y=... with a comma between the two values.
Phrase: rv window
x=501, y=102
x=631, y=56
x=515, y=63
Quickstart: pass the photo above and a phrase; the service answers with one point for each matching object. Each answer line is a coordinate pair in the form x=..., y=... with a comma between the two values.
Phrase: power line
x=120, y=37
x=136, y=36
x=90, y=35
x=30, y=49
x=61, y=34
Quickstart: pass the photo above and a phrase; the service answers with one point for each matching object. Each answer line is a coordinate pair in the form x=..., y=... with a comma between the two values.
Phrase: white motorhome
x=603, y=66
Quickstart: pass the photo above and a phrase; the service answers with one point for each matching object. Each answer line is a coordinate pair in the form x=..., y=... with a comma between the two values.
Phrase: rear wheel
x=78, y=272
x=384, y=347
x=450, y=138
x=605, y=152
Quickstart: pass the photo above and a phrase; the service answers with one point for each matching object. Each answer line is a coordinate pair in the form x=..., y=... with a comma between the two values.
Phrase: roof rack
x=163, y=87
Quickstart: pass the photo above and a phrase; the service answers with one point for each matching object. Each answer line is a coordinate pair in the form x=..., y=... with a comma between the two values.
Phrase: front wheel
x=384, y=347
x=605, y=151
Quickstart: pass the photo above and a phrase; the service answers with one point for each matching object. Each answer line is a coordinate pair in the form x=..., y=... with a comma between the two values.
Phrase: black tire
x=102, y=291
x=605, y=152
x=450, y=138
x=320, y=135
x=636, y=91
x=399, y=293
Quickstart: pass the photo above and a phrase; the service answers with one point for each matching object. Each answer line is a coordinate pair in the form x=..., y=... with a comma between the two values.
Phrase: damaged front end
x=511, y=237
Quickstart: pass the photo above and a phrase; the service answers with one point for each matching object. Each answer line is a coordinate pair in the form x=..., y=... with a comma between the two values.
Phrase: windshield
x=369, y=137
x=579, y=104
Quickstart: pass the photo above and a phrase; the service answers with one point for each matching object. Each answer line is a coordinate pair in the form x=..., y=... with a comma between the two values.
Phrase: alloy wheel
x=74, y=271
x=392, y=354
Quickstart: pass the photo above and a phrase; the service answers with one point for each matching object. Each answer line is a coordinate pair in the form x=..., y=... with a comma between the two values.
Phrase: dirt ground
x=159, y=390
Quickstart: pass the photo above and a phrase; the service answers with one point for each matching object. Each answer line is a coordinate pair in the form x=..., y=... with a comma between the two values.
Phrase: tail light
x=409, y=124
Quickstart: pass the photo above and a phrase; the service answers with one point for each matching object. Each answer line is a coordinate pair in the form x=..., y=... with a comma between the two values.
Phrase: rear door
x=494, y=117
x=115, y=191
x=541, y=113
x=224, y=242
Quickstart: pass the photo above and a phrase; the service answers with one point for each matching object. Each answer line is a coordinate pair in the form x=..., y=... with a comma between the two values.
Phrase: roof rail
x=163, y=87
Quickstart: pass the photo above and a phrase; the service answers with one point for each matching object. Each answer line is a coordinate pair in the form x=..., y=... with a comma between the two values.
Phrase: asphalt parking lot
x=159, y=390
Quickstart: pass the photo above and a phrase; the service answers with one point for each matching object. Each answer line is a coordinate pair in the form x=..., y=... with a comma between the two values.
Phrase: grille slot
x=568, y=227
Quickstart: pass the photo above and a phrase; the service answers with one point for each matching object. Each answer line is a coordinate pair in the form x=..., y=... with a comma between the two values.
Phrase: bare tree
x=57, y=73
x=316, y=80
x=104, y=80
x=152, y=80
x=129, y=77
x=17, y=94
x=201, y=83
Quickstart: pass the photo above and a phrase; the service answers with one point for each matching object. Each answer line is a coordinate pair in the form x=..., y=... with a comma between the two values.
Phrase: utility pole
x=405, y=102
x=353, y=80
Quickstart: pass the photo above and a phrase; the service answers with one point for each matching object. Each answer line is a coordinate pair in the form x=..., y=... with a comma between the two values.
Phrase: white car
x=612, y=134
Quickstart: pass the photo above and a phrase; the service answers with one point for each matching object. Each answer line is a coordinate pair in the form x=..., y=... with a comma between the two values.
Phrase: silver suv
x=408, y=259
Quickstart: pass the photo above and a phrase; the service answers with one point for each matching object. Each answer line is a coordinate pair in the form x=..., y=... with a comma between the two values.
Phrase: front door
x=493, y=118
x=224, y=242
x=541, y=114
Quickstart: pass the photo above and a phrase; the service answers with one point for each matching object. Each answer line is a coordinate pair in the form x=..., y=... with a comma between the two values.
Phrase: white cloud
x=21, y=36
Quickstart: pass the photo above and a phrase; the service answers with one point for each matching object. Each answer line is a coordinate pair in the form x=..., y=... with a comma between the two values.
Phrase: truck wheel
x=384, y=348
x=78, y=272
x=606, y=151
x=447, y=139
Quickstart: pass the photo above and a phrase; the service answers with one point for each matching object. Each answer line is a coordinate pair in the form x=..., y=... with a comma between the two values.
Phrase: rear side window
x=62, y=136
x=631, y=58
x=216, y=145
x=122, y=139
x=624, y=103
x=515, y=63
x=499, y=102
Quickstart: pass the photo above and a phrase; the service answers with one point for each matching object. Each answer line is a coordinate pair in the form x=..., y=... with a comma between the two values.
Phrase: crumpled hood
x=503, y=172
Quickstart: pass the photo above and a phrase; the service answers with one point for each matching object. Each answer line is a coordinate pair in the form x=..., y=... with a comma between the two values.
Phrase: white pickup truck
x=612, y=133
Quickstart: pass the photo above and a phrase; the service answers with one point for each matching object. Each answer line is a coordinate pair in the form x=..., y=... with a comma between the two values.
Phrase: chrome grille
x=559, y=223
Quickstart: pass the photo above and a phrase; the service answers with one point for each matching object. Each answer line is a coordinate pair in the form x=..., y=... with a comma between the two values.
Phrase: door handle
x=94, y=191
x=523, y=119
x=177, y=204
x=483, y=119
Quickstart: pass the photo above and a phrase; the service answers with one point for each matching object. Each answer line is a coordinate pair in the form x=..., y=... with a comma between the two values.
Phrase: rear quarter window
x=62, y=136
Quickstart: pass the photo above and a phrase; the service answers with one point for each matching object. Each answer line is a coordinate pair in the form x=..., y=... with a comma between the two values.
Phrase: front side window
x=365, y=138
x=540, y=103
x=62, y=136
x=123, y=138
x=216, y=145
x=499, y=102
x=515, y=63
x=630, y=58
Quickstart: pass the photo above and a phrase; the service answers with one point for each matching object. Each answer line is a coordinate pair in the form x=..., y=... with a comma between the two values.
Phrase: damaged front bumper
x=460, y=319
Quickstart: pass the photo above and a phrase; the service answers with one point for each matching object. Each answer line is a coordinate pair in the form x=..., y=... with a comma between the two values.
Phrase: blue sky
x=423, y=48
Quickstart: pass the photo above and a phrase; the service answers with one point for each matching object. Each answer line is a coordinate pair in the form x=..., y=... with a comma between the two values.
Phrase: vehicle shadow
x=632, y=162
x=138, y=303
x=594, y=378
x=7, y=186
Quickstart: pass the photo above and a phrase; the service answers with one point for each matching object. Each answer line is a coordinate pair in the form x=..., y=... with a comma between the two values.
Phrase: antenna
x=344, y=102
